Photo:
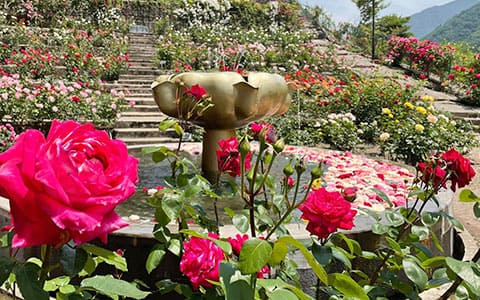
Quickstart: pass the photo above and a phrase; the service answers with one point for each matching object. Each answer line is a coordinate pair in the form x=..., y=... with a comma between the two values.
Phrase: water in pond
x=152, y=174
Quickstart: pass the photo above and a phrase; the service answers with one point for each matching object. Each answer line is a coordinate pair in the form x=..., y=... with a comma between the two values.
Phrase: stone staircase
x=138, y=126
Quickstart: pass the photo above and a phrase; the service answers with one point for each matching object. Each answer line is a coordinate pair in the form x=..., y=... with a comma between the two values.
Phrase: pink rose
x=66, y=186
x=228, y=157
x=326, y=212
x=201, y=261
x=263, y=130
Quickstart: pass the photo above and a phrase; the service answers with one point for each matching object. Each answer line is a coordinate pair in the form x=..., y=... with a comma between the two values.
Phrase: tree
x=367, y=9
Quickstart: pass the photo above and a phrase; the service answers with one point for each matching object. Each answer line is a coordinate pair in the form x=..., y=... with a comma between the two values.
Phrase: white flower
x=384, y=136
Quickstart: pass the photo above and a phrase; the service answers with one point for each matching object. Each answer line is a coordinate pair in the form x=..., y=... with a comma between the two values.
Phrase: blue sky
x=346, y=11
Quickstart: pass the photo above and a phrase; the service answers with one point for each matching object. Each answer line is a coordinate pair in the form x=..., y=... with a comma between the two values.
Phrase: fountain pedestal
x=237, y=100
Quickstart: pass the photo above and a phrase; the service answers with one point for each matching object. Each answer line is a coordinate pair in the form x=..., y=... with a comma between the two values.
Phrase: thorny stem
x=458, y=281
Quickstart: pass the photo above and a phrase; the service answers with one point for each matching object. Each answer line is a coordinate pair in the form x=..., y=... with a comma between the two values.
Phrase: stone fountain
x=237, y=100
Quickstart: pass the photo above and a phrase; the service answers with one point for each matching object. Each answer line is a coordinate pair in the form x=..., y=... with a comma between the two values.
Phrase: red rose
x=228, y=157
x=460, y=168
x=197, y=91
x=326, y=212
x=265, y=129
x=66, y=186
x=201, y=261
x=432, y=174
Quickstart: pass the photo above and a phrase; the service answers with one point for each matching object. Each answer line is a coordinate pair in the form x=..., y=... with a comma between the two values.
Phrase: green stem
x=46, y=255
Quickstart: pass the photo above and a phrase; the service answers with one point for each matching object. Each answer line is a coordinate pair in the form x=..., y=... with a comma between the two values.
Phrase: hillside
x=426, y=21
x=463, y=27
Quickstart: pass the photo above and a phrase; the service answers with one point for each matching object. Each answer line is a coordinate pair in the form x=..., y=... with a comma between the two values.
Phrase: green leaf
x=453, y=221
x=476, y=210
x=415, y=272
x=110, y=286
x=67, y=289
x=421, y=231
x=395, y=218
x=27, y=279
x=110, y=257
x=298, y=292
x=166, y=124
x=353, y=246
x=279, y=252
x=154, y=259
x=323, y=254
x=379, y=229
x=150, y=150
x=394, y=245
x=347, y=286
x=254, y=255
x=6, y=267
x=430, y=218
x=175, y=247
x=316, y=267
x=191, y=191
x=241, y=222
x=282, y=294
x=172, y=207
x=467, y=195
x=383, y=196
x=178, y=129
x=343, y=256
x=240, y=290
x=466, y=271
x=434, y=262
x=72, y=259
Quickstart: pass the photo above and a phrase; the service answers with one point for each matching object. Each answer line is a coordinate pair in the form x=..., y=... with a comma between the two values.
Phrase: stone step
x=142, y=63
x=473, y=120
x=146, y=114
x=130, y=86
x=139, y=122
x=141, y=142
x=148, y=101
x=120, y=133
x=145, y=78
x=147, y=94
x=144, y=108
x=143, y=81
x=144, y=71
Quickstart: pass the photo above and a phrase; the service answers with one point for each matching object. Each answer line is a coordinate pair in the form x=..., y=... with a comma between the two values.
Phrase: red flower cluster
x=326, y=212
x=450, y=165
x=201, y=261
x=228, y=157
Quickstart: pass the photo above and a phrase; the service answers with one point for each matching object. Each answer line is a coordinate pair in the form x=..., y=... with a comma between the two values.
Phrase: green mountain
x=463, y=27
x=427, y=20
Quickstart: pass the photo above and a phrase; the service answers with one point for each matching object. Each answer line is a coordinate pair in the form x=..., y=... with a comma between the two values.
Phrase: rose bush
x=67, y=185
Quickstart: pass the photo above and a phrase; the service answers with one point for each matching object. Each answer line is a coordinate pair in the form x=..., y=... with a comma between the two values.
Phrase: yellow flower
x=431, y=108
x=408, y=105
x=419, y=127
x=390, y=116
x=317, y=184
x=427, y=98
x=421, y=110
x=386, y=111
